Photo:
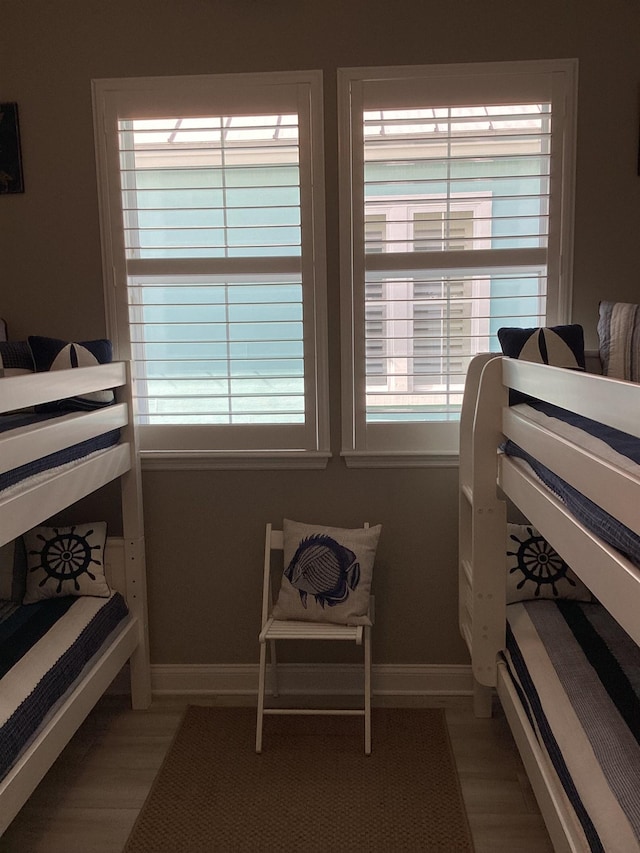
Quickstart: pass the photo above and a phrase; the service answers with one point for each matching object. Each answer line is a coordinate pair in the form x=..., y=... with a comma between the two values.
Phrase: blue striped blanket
x=578, y=675
x=43, y=649
x=52, y=460
x=625, y=450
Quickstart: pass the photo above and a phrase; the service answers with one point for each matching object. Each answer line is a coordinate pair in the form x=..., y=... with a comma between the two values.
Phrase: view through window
x=448, y=180
x=225, y=347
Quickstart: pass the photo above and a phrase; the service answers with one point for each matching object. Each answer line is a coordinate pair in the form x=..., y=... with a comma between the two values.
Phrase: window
x=456, y=200
x=212, y=216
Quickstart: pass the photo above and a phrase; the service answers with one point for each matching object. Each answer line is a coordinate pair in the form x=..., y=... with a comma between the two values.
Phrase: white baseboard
x=313, y=679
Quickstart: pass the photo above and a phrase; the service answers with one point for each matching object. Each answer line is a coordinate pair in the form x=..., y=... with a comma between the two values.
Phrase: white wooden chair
x=273, y=630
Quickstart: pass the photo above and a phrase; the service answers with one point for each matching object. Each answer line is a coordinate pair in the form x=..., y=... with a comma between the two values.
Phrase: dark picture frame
x=11, y=177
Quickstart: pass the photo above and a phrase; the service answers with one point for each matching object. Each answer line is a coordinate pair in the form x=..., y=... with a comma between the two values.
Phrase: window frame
x=435, y=444
x=219, y=446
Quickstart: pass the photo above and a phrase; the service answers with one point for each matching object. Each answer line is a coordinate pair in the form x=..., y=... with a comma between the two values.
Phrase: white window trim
x=122, y=98
x=437, y=446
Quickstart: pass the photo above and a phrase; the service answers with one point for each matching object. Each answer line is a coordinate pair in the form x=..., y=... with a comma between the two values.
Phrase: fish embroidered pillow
x=328, y=572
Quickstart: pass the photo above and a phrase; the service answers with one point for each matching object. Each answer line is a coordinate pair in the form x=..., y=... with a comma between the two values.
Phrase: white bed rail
x=482, y=519
x=488, y=478
x=614, y=402
x=19, y=392
x=22, y=445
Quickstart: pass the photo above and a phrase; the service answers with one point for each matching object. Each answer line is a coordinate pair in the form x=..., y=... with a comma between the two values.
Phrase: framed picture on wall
x=11, y=179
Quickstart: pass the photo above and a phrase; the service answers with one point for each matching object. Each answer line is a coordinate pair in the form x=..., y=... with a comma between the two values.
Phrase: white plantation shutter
x=220, y=290
x=458, y=204
x=215, y=186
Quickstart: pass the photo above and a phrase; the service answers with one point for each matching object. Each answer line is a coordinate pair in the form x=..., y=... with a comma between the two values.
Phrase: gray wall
x=205, y=529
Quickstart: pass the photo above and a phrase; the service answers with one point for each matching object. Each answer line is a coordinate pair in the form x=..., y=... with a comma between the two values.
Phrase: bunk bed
x=46, y=693
x=566, y=667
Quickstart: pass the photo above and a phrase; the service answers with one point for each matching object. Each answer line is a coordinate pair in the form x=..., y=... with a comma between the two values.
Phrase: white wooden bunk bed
x=584, y=769
x=34, y=501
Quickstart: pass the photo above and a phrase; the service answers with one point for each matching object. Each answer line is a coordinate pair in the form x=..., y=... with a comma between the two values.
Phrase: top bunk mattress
x=578, y=674
x=52, y=460
x=615, y=447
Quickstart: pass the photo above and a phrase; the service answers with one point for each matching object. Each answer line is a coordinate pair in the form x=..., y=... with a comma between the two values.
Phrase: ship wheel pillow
x=535, y=570
x=328, y=572
x=66, y=561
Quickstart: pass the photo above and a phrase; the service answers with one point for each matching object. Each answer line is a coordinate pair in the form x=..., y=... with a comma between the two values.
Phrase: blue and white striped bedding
x=52, y=460
x=43, y=649
x=578, y=675
x=618, y=447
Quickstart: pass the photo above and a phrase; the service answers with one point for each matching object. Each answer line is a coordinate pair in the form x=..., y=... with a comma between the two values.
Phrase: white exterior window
x=213, y=233
x=456, y=214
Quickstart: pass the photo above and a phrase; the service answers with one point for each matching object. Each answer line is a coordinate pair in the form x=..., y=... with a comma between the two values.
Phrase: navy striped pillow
x=15, y=358
x=619, y=337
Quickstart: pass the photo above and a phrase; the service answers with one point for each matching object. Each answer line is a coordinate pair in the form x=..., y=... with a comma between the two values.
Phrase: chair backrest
x=273, y=542
x=276, y=540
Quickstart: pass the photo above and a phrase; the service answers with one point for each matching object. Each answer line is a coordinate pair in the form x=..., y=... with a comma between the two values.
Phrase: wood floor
x=90, y=798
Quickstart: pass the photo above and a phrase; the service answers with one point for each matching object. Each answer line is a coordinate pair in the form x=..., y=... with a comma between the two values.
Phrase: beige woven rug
x=311, y=790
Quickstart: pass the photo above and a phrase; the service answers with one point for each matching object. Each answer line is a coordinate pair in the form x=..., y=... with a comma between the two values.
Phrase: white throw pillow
x=328, y=573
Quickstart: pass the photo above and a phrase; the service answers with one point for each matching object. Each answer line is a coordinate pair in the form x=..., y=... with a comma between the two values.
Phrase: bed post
x=482, y=699
x=489, y=527
x=135, y=571
x=482, y=526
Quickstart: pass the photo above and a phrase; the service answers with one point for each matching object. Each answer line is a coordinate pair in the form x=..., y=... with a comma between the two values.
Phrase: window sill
x=251, y=460
x=399, y=459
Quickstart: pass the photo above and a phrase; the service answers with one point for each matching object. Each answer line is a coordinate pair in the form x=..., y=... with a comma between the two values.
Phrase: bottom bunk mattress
x=43, y=650
x=578, y=676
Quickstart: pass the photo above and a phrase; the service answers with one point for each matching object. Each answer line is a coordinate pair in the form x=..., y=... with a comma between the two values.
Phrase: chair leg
x=261, y=688
x=367, y=690
x=274, y=668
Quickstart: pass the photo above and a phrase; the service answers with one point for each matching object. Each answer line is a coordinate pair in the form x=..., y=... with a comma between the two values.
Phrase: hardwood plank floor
x=89, y=800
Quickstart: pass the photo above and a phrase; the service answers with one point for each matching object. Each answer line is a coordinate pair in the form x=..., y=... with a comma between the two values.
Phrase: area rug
x=312, y=790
